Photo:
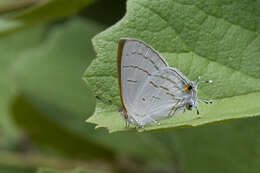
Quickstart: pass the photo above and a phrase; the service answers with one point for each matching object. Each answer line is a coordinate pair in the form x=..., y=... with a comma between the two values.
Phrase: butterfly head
x=192, y=88
x=191, y=104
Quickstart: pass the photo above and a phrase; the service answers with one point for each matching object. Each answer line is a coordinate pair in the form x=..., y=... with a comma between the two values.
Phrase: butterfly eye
x=187, y=88
x=189, y=106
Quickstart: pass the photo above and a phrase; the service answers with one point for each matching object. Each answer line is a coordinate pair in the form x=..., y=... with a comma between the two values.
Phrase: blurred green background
x=45, y=47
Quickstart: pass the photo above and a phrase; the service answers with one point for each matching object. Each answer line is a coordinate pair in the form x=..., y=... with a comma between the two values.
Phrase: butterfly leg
x=175, y=107
x=139, y=126
x=127, y=124
x=154, y=121
x=202, y=101
x=174, y=110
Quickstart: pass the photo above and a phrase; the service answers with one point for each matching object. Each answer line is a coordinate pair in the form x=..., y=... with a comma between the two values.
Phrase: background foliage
x=45, y=47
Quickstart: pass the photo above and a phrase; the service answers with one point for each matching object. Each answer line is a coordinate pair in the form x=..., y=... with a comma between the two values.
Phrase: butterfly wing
x=136, y=62
x=162, y=94
x=149, y=89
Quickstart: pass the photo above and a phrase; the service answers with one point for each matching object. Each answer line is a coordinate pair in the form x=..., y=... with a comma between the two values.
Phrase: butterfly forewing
x=137, y=63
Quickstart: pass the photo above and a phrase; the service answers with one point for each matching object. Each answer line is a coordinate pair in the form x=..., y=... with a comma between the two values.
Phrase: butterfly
x=151, y=90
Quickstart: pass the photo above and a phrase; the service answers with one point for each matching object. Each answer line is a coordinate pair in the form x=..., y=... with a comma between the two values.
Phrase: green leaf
x=10, y=48
x=71, y=144
x=7, y=6
x=47, y=170
x=56, y=67
x=233, y=146
x=28, y=162
x=55, y=9
x=53, y=93
x=9, y=169
x=40, y=12
x=215, y=40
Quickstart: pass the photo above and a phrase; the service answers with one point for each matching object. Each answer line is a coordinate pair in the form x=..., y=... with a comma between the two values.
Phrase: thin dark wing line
x=180, y=75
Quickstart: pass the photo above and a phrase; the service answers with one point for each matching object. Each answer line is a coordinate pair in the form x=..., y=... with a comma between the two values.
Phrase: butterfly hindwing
x=161, y=94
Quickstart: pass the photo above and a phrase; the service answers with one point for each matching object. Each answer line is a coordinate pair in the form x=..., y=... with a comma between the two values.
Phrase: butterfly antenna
x=199, y=81
x=205, y=101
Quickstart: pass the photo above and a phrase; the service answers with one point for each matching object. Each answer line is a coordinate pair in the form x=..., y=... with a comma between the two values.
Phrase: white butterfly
x=150, y=89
